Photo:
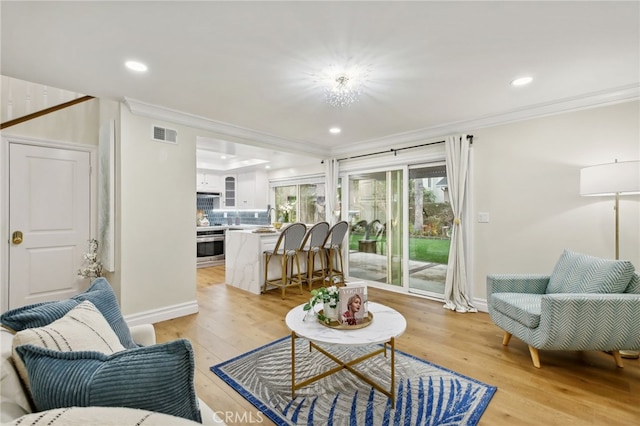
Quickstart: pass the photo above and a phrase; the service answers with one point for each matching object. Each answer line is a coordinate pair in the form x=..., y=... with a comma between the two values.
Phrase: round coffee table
x=387, y=324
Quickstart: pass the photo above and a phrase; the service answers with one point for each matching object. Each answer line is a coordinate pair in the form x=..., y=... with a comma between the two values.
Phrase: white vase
x=331, y=313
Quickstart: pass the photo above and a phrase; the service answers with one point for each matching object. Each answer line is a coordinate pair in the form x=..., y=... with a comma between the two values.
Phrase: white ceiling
x=435, y=67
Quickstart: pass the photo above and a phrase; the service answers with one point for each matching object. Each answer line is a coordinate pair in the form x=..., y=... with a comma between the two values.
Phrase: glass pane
x=375, y=217
x=230, y=191
x=430, y=219
x=312, y=203
x=286, y=203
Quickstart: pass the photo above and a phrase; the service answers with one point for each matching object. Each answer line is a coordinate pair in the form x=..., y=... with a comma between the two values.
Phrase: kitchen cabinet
x=230, y=191
x=252, y=190
x=207, y=181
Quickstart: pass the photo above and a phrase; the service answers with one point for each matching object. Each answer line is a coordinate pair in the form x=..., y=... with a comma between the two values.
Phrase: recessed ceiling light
x=522, y=81
x=334, y=130
x=224, y=157
x=267, y=166
x=136, y=66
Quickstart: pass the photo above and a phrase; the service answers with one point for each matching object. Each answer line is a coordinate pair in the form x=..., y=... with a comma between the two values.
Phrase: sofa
x=586, y=304
x=54, y=373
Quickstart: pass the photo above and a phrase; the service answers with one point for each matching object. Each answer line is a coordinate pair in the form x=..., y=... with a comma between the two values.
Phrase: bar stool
x=315, y=238
x=287, y=248
x=333, y=249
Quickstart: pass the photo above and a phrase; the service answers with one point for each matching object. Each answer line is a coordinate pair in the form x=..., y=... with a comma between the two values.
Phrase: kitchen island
x=244, y=260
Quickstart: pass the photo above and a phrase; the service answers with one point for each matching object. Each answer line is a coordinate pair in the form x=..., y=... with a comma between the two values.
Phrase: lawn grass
x=421, y=249
x=429, y=250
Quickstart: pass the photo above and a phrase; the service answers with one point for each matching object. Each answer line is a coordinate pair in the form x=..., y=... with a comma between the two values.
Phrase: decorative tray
x=264, y=231
x=337, y=325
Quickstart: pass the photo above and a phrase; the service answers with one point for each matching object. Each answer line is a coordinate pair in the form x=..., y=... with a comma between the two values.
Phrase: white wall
x=156, y=210
x=77, y=124
x=526, y=176
x=293, y=172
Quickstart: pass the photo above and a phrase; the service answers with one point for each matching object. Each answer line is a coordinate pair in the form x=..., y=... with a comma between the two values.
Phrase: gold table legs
x=344, y=365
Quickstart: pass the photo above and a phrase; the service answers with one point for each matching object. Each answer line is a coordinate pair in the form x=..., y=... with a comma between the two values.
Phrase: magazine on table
x=353, y=304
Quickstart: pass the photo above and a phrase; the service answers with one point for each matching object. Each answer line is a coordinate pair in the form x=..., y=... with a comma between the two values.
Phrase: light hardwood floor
x=571, y=388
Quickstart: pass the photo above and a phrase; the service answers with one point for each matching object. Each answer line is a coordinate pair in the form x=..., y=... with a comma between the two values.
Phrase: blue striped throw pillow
x=155, y=378
x=99, y=293
x=581, y=273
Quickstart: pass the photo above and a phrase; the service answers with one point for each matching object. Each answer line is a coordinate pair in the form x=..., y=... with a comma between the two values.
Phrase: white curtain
x=331, y=189
x=455, y=289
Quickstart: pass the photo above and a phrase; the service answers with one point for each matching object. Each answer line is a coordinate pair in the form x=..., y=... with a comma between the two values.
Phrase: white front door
x=50, y=205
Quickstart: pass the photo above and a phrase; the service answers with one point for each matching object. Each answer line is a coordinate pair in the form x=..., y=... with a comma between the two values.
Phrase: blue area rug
x=426, y=394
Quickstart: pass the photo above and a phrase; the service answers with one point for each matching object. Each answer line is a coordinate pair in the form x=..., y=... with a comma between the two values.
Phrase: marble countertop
x=252, y=232
x=228, y=227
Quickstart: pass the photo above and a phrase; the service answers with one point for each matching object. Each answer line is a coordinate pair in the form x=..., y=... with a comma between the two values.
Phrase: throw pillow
x=82, y=329
x=99, y=293
x=155, y=378
x=103, y=416
x=581, y=273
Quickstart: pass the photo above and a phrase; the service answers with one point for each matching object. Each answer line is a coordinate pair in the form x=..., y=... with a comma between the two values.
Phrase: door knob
x=16, y=238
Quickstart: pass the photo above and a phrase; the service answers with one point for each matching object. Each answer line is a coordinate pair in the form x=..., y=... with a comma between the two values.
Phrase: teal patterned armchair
x=587, y=303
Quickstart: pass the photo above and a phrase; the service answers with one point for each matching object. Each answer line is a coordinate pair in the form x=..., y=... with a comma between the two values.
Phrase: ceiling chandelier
x=342, y=88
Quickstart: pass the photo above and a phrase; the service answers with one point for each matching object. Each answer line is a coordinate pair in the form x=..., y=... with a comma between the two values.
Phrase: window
x=300, y=202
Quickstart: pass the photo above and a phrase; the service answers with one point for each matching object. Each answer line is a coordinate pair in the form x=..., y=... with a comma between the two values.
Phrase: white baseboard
x=163, y=314
x=480, y=304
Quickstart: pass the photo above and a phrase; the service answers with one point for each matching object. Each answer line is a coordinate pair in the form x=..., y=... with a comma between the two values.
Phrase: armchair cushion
x=521, y=307
x=99, y=293
x=155, y=378
x=634, y=284
x=581, y=273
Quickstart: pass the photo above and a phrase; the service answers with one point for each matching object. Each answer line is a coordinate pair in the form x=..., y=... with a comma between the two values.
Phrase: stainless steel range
x=210, y=246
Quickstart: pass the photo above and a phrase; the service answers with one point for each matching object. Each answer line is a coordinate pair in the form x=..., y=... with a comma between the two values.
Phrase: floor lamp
x=612, y=179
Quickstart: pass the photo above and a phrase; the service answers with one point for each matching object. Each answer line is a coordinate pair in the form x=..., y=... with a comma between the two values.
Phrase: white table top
x=386, y=323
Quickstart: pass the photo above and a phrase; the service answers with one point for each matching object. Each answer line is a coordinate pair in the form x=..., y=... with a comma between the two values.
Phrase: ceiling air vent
x=163, y=134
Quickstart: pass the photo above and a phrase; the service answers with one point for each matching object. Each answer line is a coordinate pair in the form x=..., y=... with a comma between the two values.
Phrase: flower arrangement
x=329, y=295
x=286, y=210
x=94, y=266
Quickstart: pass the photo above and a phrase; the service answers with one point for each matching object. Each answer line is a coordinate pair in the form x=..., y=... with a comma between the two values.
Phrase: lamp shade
x=608, y=179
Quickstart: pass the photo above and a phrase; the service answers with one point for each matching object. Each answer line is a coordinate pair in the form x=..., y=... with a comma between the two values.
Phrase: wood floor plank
x=578, y=388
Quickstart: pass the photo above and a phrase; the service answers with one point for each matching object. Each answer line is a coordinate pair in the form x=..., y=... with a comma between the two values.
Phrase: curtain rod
x=395, y=150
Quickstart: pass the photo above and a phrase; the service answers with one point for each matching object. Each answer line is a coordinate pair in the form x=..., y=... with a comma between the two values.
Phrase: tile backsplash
x=246, y=216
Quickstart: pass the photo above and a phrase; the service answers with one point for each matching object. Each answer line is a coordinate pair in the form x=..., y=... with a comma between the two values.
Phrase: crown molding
x=591, y=100
x=256, y=138
x=248, y=136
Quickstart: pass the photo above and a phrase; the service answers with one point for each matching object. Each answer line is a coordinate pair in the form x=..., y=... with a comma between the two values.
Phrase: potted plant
x=329, y=297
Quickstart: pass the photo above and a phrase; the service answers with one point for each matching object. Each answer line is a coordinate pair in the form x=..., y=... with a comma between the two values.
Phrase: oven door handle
x=209, y=239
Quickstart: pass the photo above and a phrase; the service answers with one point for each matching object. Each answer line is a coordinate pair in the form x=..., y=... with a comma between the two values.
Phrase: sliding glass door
x=375, y=216
x=430, y=219
x=384, y=250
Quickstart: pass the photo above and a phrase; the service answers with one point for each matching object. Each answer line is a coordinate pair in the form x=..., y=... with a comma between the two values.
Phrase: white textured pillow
x=111, y=416
x=82, y=329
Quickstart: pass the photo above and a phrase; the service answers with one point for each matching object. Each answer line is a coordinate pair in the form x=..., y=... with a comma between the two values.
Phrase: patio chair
x=378, y=229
